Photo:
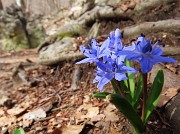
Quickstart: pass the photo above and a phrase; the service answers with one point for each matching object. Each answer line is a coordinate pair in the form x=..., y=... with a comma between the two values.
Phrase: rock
x=106, y=11
x=114, y=2
x=80, y=7
x=36, y=32
x=172, y=107
x=173, y=112
x=94, y=31
x=17, y=31
x=70, y=29
x=59, y=51
x=170, y=79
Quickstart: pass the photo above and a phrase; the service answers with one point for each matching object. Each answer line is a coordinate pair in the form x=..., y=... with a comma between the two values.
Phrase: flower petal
x=117, y=43
x=104, y=46
x=126, y=69
x=147, y=47
x=104, y=81
x=120, y=59
x=112, y=39
x=124, y=52
x=97, y=79
x=141, y=42
x=134, y=56
x=156, y=50
x=130, y=48
x=117, y=33
x=146, y=65
x=120, y=76
x=101, y=65
x=157, y=59
x=85, y=51
x=86, y=60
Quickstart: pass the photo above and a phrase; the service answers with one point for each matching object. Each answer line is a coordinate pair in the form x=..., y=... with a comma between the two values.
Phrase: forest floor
x=39, y=99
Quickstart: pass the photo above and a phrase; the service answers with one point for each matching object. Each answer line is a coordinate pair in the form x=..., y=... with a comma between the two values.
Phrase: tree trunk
x=1, y=5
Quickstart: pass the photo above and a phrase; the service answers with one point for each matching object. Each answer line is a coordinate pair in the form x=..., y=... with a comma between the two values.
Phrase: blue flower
x=146, y=54
x=114, y=45
x=111, y=46
x=107, y=71
x=93, y=53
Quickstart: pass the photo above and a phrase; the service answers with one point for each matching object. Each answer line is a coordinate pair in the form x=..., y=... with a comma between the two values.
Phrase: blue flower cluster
x=146, y=54
x=110, y=56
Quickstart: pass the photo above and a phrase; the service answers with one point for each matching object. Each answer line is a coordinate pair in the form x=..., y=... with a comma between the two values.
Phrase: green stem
x=144, y=95
x=118, y=87
x=128, y=82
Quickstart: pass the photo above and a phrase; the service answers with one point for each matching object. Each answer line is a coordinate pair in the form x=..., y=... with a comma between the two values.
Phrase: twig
x=167, y=124
x=87, y=80
x=62, y=107
x=57, y=73
x=119, y=89
x=76, y=77
x=44, y=119
x=59, y=99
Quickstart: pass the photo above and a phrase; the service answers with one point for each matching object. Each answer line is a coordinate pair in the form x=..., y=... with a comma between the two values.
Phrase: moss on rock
x=14, y=38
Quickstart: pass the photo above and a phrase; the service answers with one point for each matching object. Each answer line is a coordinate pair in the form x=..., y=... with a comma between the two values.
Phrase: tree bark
x=1, y=5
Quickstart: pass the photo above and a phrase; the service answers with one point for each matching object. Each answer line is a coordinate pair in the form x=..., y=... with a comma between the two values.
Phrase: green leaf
x=138, y=92
x=19, y=131
x=154, y=94
x=126, y=90
x=131, y=79
x=124, y=86
x=101, y=95
x=127, y=110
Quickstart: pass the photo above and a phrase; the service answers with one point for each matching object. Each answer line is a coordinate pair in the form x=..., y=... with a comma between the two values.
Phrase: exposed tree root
x=169, y=26
x=55, y=60
x=103, y=12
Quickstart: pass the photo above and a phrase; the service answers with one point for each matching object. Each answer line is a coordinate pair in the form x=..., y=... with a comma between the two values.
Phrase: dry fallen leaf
x=19, y=76
x=86, y=99
x=110, y=113
x=26, y=123
x=72, y=129
x=86, y=111
x=19, y=108
x=98, y=117
x=2, y=112
x=104, y=126
x=47, y=106
x=7, y=120
x=3, y=99
x=167, y=95
x=35, y=114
